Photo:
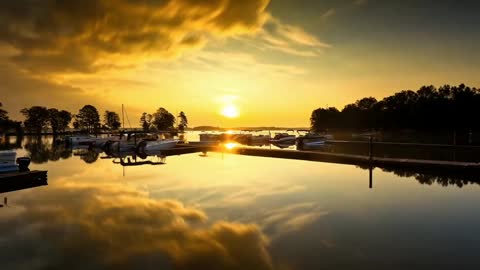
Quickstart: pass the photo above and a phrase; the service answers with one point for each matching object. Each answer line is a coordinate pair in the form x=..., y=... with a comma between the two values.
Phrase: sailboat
x=121, y=143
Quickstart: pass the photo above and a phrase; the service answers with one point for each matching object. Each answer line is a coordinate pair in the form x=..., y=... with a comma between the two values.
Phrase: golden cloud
x=84, y=36
x=115, y=227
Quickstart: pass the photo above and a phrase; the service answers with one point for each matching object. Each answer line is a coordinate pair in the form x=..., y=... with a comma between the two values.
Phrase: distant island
x=213, y=128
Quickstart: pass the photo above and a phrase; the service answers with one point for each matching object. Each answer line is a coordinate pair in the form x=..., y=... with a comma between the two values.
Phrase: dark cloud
x=114, y=227
x=84, y=36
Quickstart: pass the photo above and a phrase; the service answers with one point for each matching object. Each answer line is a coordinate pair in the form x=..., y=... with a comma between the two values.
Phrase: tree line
x=7, y=124
x=428, y=108
x=39, y=119
x=163, y=120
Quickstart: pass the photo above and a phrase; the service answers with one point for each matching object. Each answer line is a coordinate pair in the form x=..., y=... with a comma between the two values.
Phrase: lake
x=227, y=211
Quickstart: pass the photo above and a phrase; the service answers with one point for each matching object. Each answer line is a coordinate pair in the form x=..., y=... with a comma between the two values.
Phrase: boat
x=260, y=139
x=128, y=143
x=209, y=137
x=152, y=146
x=283, y=138
x=242, y=138
x=7, y=161
x=102, y=142
x=283, y=145
x=120, y=146
x=80, y=140
x=310, y=141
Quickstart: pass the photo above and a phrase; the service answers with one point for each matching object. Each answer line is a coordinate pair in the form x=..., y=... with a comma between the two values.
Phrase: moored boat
x=80, y=140
x=310, y=141
x=209, y=137
x=146, y=146
x=283, y=138
x=257, y=139
x=7, y=161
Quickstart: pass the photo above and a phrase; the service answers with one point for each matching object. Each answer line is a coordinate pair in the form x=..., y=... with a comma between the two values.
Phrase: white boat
x=8, y=162
x=283, y=138
x=283, y=145
x=121, y=146
x=80, y=140
x=313, y=144
x=102, y=142
x=310, y=141
x=153, y=146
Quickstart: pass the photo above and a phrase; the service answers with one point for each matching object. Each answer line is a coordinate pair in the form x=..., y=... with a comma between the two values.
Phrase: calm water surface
x=225, y=211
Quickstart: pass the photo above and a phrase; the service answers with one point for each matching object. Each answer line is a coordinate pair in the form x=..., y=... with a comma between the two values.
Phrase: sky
x=227, y=62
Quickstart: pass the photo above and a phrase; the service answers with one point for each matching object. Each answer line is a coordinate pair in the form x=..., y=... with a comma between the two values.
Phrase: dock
x=404, y=144
x=362, y=160
x=189, y=149
x=22, y=180
x=349, y=159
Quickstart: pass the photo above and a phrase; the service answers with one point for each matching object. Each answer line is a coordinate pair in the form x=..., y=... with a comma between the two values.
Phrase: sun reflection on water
x=231, y=145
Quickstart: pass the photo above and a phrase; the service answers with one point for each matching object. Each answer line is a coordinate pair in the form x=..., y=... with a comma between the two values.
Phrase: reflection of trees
x=90, y=156
x=9, y=143
x=43, y=149
x=428, y=177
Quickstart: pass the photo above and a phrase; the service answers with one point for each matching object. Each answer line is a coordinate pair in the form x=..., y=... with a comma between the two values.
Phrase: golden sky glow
x=226, y=62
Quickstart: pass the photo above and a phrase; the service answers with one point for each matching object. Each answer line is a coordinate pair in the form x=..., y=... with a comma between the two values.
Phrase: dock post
x=370, y=148
x=370, y=177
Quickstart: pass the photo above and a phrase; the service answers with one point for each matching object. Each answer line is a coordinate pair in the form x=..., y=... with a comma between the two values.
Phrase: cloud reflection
x=112, y=226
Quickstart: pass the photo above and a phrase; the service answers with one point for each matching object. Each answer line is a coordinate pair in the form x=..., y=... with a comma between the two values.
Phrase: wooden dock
x=188, y=149
x=362, y=160
x=403, y=144
x=22, y=180
x=350, y=159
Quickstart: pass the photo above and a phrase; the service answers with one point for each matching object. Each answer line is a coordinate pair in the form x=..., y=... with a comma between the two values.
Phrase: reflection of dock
x=181, y=150
x=22, y=180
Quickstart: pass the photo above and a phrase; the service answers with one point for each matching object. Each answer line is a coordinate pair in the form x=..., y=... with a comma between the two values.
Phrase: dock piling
x=370, y=148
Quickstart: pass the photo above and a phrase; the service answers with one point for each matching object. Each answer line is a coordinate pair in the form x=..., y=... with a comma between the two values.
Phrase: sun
x=230, y=111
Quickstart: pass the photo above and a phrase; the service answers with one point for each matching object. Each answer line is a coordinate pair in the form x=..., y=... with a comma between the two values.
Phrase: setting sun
x=230, y=111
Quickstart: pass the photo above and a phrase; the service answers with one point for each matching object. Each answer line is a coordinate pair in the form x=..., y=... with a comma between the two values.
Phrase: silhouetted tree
x=448, y=107
x=146, y=121
x=3, y=113
x=324, y=118
x=53, y=119
x=6, y=124
x=64, y=119
x=36, y=118
x=183, y=121
x=88, y=118
x=58, y=120
x=111, y=120
x=163, y=120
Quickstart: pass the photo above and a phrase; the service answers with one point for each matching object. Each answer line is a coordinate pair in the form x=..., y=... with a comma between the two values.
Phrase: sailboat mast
x=123, y=119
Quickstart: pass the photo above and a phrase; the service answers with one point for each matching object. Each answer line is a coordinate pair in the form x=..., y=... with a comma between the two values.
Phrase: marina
x=239, y=135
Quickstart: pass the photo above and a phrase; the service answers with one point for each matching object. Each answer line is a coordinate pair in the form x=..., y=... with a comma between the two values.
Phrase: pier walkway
x=360, y=160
